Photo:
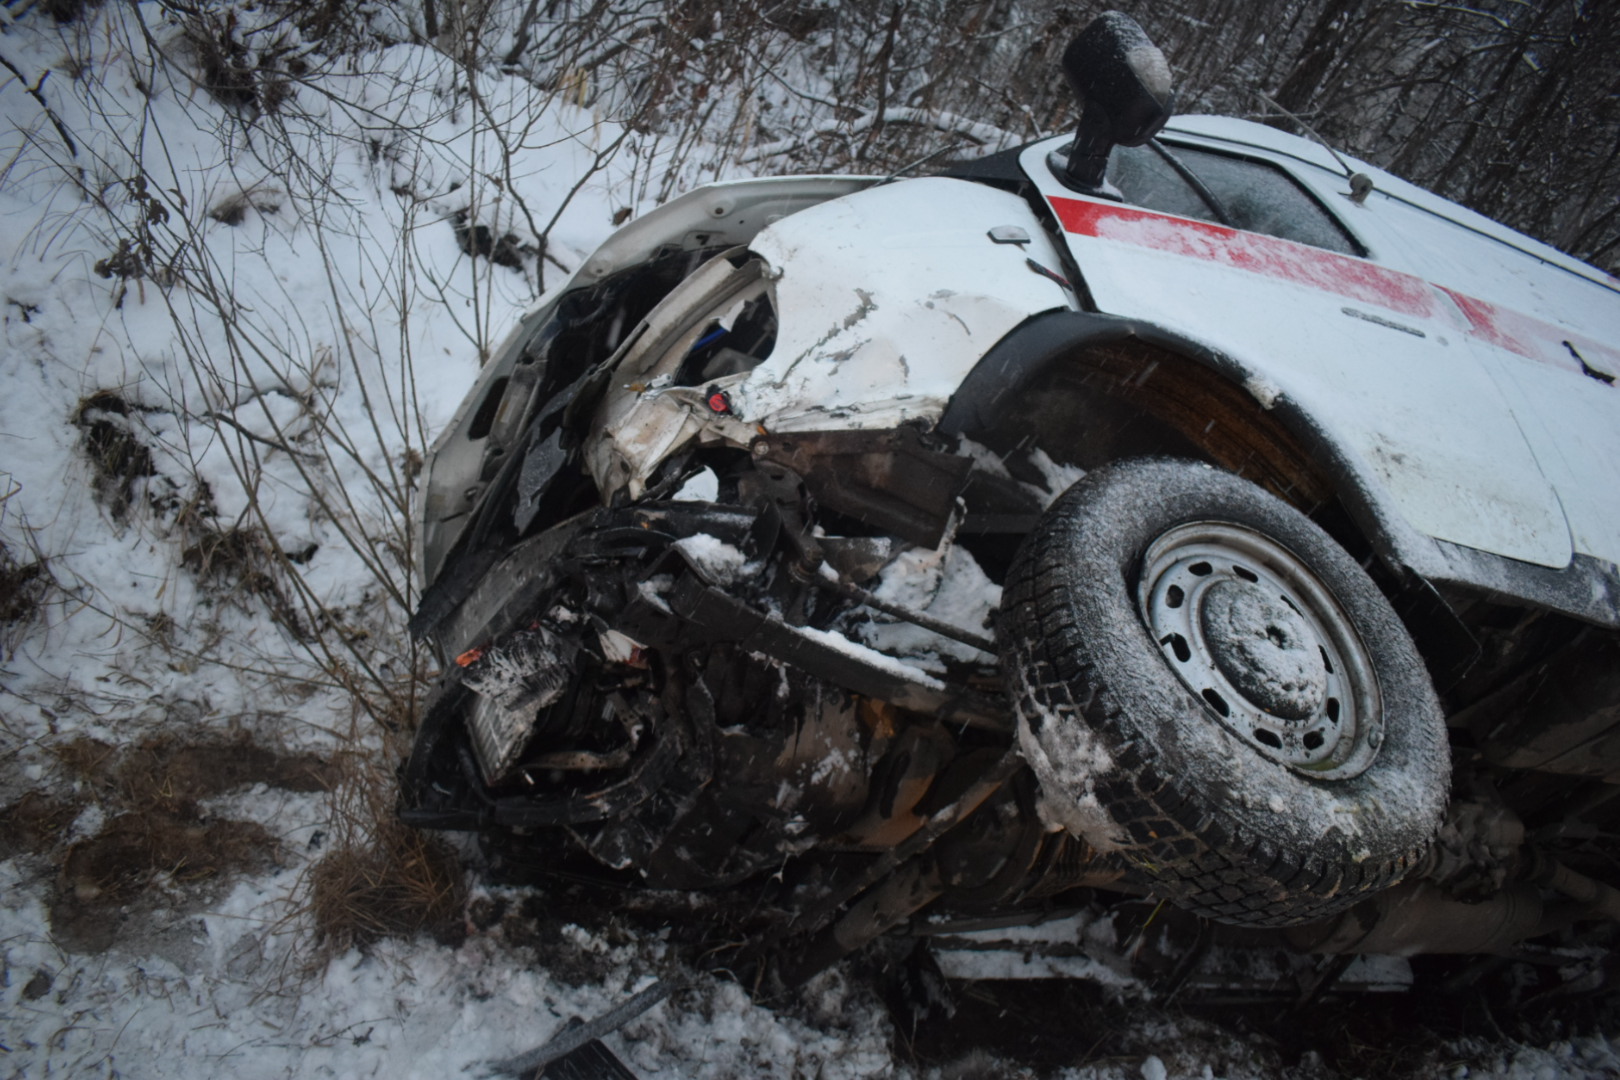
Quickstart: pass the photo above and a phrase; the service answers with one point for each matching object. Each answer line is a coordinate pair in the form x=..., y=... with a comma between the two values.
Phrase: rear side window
x=1239, y=192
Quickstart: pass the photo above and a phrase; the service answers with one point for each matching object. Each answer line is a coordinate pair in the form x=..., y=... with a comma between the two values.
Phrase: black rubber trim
x=1000, y=169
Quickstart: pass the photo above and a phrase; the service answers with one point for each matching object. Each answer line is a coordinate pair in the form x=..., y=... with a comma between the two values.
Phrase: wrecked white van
x=1175, y=510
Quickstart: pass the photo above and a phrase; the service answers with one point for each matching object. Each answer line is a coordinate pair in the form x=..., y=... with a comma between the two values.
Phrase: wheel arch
x=1138, y=389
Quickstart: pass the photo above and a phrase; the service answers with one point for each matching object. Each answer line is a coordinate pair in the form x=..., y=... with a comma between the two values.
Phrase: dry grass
x=170, y=774
x=121, y=860
x=144, y=862
x=391, y=881
x=35, y=823
x=380, y=878
x=242, y=564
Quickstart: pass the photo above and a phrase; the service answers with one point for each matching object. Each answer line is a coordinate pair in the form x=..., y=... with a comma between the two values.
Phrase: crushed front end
x=713, y=599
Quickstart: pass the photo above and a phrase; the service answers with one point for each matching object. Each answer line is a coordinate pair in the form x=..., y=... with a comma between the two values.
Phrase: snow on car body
x=664, y=534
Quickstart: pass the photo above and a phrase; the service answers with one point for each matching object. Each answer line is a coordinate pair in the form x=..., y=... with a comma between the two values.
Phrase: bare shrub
x=245, y=67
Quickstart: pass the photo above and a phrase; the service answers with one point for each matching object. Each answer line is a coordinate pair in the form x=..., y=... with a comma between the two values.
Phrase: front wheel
x=1209, y=685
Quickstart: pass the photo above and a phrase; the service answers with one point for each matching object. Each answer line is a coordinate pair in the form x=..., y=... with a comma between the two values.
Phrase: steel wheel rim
x=1257, y=637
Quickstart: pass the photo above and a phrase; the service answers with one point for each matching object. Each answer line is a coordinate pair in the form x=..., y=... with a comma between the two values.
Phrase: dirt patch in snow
x=134, y=839
x=141, y=863
x=34, y=823
x=119, y=459
x=173, y=775
x=22, y=586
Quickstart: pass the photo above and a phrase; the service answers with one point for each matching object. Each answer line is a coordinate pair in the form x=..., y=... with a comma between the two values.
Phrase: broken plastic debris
x=620, y=648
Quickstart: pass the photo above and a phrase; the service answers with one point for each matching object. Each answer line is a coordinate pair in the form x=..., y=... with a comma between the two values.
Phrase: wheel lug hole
x=1178, y=645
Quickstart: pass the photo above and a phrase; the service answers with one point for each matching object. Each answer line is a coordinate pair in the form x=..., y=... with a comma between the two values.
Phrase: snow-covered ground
x=237, y=305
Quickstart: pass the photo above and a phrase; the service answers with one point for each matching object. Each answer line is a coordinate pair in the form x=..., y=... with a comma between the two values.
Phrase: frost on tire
x=1209, y=685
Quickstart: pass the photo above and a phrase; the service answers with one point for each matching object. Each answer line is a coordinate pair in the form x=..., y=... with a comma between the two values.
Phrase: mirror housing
x=1123, y=83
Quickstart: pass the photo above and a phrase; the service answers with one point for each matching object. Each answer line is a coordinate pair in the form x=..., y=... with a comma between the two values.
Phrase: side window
x=1146, y=178
x=1239, y=192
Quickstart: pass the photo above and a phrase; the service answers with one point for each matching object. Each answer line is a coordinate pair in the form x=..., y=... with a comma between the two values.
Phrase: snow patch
x=1066, y=757
x=1079, y=946
x=1059, y=477
x=1262, y=390
x=998, y=964
x=870, y=656
x=720, y=563
x=947, y=584
x=703, y=487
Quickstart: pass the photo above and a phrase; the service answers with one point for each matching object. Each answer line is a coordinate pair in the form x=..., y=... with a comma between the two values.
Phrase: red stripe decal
x=1530, y=337
x=1328, y=271
x=1272, y=256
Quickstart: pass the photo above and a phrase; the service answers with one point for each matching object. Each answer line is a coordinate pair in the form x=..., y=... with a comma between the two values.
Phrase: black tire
x=1131, y=752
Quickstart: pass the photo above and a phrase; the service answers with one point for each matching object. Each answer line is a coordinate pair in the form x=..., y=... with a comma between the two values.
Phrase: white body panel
x=1451, y=370
x=1387, y=362
x=901, y=294
x=884, y=302
x=711, y=216
x=717, y=215
x=1520, y=302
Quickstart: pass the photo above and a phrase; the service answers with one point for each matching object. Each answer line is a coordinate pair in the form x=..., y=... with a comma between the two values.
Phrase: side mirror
x=1123, y=83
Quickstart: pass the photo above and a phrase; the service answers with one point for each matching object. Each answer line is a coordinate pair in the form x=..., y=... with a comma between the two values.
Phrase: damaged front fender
x=862, y=313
